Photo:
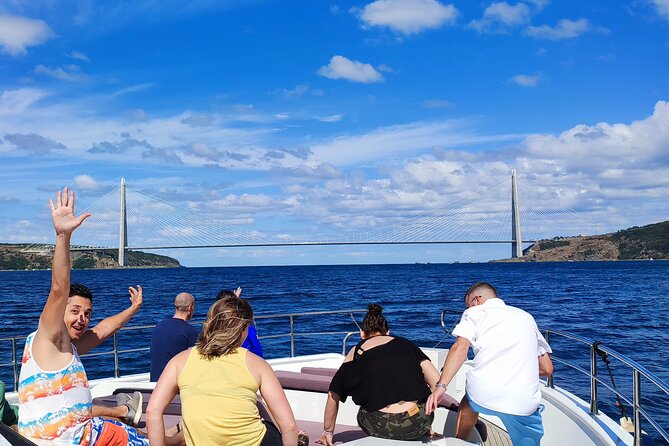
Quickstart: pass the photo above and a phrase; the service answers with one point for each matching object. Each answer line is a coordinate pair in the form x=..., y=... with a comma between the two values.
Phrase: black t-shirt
x=383, y=375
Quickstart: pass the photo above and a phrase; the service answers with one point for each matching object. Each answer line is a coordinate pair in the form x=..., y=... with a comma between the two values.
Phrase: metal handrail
x=638, y=371
x=115, y=351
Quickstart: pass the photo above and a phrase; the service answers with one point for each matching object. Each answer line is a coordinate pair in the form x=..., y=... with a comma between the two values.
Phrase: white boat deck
x=566, y=418
x=496, y=435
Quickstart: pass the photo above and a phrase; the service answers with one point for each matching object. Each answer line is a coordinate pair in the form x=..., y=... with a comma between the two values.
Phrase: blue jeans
x=523, y=430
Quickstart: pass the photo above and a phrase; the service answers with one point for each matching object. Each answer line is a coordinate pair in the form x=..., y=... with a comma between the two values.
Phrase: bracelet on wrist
x=442, y=385
x=327, y=432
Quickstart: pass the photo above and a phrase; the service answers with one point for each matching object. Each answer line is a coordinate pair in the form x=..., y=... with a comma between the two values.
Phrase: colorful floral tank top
x=54, y=405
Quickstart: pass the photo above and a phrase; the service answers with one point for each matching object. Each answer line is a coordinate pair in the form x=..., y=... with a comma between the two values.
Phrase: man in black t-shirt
x=173, y=335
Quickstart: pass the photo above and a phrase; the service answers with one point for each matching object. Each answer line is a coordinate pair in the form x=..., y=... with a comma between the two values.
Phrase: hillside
x=637, y=243
x=11, y=258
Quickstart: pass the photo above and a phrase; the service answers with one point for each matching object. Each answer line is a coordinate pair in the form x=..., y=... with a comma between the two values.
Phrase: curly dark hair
x=77, y=289
x=225, y=293
x=374, y=321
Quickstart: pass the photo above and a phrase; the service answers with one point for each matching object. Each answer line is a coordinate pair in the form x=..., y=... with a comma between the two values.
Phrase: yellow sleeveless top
x=218, y=401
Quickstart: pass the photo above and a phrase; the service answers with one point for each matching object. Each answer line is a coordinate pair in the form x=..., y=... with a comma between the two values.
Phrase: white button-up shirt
x=507, y=344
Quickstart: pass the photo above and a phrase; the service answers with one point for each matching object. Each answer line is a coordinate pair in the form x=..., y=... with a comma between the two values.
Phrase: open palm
x=62, y=213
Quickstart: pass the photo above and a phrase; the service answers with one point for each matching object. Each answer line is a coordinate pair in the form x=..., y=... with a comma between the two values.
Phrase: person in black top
x=389, y=378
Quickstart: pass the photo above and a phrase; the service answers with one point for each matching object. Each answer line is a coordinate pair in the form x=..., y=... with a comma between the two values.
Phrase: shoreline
x=417, y=264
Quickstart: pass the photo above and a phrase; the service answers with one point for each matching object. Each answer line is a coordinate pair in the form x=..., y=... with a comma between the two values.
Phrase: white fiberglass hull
x=566, y=418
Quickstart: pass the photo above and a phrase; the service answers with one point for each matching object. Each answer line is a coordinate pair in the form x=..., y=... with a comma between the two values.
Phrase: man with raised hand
x=55, y=402
x=509, y=356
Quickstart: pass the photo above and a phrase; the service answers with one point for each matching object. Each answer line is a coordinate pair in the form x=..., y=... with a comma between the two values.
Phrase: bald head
x=183, y=300
x=184, y=305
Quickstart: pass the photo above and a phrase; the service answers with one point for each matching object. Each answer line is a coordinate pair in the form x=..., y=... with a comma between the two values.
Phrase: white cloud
x=78, y=55
x=526, y=80
x=18, y=101
x=617, y=174
x=233, y=203
x=204, y=151
x=133, y=89
x=501, y=16
x=342, y=68
x=19, y=33
x=136, y=137
x=199, y=120
x=70, y=73
x=408, y=16
x=136, y=115
x=539, y=4
x=565, y=29
x=662, y=7
x=641, y=144
x=86, y=182
x=384, y=143
x=243, y=108
x=297, y=92
x=331, y=118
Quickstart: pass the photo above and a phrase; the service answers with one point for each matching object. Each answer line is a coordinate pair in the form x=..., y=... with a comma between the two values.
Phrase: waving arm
x=51, y=327
x=108, y=326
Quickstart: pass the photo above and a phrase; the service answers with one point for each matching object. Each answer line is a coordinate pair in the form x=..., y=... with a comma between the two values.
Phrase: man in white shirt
x=509, y=356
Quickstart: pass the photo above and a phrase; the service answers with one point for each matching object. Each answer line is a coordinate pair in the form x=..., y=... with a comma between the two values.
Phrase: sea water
x=623, y=304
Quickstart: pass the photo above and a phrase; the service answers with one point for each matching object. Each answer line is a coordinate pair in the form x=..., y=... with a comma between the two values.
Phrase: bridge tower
x=517, y=243
x=123, y=227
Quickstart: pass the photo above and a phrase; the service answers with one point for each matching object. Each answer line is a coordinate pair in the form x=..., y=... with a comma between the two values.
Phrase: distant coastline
x=650, y=242
x=13, y=258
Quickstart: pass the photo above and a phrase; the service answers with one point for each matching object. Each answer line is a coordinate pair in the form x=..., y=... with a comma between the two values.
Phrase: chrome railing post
x=637, y=406
x=14, y=365
x=116, y=368
x=549, y=379
x=593, y=380
x=343, y=346
x=292, y=337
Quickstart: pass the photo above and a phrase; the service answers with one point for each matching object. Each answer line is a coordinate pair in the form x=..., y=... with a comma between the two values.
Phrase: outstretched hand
x=136, y=297
x=62, y=213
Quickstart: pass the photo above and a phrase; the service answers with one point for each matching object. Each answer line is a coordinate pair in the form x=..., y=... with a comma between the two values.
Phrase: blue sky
x=315, y=117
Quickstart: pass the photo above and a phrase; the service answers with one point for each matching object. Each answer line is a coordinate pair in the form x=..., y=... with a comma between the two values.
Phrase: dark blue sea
x=623, y=304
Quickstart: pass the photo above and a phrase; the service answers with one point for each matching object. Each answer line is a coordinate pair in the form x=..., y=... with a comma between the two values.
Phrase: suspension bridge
x=130, y=219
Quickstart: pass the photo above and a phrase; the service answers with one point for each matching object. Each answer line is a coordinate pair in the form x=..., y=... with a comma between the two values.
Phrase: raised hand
x=62, y=213
x=136, y=298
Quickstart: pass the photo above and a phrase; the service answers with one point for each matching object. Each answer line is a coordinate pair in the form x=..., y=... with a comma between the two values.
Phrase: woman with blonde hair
x=218, y=381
